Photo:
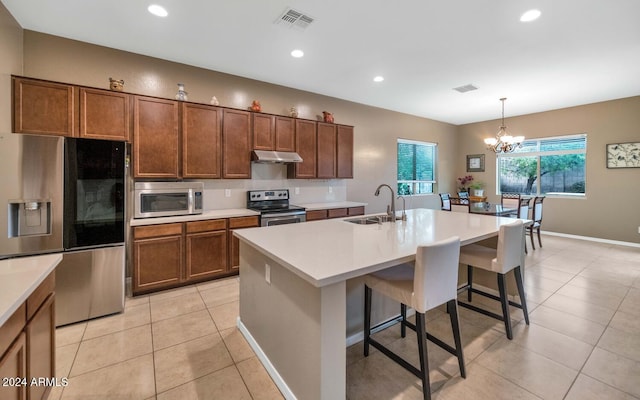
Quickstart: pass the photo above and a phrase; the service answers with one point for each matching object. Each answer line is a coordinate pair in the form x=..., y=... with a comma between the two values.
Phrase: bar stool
x=508, y=256
x=427, y=284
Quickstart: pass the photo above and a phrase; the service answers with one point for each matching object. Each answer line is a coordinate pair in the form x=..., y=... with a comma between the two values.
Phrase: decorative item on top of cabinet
x=214, y=101
x=327, y=117
x=306, y=145
x=201, y=141
x=44, y=108
x=181, y=95
x=104, y=114
x=236, y=144
x=255, y=106
x=293, y=112
x=155, y=144
x=116, y=84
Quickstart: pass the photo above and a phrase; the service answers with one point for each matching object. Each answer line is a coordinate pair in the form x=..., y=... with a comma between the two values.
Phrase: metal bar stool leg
x=424, y=359
x=452, y=309
x=469, y=281
x=403, y=324
x=523, y=300
x=367, y=318
x=502, y=287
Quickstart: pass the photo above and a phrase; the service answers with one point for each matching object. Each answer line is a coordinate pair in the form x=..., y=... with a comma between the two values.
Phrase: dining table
x=491, y=209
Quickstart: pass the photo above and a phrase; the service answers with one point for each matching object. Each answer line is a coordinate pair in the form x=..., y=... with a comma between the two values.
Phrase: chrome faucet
x=404, y=208
x=391, y=211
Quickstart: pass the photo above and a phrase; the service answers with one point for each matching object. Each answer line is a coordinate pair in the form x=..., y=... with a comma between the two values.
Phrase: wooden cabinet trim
x=40, y=294
x=315, y=215
x=243, y=222
x=12, y=328
x=149, y=231
x=206, y=225
x=337, y=212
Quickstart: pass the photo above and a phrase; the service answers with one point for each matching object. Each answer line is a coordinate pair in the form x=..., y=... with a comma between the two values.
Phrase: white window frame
x=538, y=154
x=415, y=183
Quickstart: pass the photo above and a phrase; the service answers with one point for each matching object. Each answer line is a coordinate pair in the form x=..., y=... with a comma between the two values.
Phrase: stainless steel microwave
x=163, y=199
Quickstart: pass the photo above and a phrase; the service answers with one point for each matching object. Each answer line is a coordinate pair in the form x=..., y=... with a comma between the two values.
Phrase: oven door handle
x=287, y=214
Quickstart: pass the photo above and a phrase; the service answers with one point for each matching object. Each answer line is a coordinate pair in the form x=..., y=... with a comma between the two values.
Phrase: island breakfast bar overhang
x=293, y=280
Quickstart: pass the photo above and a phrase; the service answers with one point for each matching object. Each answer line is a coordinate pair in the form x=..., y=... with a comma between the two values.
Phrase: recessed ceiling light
x=378, y=78
x=530, y=15
x=157, y=10
x=297, y=53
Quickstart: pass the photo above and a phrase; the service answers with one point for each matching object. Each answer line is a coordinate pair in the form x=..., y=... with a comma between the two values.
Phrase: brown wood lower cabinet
x=315, y=215
x=170, y=255
x=234, y=242
x=27, y=346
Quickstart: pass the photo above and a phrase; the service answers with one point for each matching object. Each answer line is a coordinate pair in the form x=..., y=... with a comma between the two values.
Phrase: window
x=416, y=167
x=553, y=166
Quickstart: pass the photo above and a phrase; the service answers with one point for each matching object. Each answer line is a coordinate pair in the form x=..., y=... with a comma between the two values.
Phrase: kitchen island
x=293, y=288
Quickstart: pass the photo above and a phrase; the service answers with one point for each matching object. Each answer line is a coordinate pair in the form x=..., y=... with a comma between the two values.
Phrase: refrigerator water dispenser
x=29, y=218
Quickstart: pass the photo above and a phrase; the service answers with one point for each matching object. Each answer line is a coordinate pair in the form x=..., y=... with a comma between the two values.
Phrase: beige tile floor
x=583, y=342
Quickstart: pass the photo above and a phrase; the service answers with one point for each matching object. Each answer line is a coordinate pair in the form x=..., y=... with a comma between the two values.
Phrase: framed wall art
x=475, y=163
x=623, y=155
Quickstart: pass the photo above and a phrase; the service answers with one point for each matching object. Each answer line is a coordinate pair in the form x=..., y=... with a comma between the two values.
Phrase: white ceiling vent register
x=465, y=88
x=291, y=18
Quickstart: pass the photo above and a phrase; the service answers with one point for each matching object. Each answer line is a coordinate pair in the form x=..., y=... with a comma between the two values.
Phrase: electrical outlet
x=267, y=273
x=296, y=190
x=639, y=229
x=227, y=193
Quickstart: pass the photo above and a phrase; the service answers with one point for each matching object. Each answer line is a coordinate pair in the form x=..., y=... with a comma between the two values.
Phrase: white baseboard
x=591, y=239
x=271, y=370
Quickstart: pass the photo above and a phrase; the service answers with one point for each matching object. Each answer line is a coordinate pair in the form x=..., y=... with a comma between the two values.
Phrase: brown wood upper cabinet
x=344, y=160
x=104, y=114
x=236, y=144
x=201, y=141
x=44, y=108
x=272, y=132
x=306, y=145
x=326, y=162
x=155, y=138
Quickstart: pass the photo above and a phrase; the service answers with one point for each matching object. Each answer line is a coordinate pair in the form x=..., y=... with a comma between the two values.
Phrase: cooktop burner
x=271, y=201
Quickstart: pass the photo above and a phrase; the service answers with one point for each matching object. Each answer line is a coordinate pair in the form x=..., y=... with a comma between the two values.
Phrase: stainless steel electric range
x=274, y=207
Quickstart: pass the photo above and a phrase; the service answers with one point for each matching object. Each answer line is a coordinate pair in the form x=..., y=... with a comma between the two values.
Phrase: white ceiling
x=577, y=52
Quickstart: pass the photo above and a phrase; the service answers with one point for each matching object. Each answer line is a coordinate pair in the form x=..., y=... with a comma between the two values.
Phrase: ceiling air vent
x=291, y=18
x=465, y=88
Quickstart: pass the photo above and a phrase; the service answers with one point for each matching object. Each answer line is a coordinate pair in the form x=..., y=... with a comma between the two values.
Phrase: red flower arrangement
x=464, y=181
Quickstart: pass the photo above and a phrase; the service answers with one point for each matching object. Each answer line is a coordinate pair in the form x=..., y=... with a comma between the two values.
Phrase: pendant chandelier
x=503, y=142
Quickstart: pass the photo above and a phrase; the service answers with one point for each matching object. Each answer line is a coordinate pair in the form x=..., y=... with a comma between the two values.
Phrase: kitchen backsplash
x=232, y=193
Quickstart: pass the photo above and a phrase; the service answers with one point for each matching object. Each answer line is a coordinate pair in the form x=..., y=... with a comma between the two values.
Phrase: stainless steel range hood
x=265, y=156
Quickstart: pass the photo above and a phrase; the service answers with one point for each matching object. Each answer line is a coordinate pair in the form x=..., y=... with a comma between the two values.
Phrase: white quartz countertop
x=210, y=214
x=19, y=277
x=335, y=204
x=329, y=251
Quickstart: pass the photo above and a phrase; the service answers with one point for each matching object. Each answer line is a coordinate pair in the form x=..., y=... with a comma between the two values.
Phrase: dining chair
x=511, y=200
x=508, y=256
x=523, y=213
x=428, y=283
x=536, y=216
x=463, y=195
x=445, y=202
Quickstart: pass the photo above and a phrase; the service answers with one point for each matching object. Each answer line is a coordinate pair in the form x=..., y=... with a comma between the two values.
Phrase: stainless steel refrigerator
x=68, y=195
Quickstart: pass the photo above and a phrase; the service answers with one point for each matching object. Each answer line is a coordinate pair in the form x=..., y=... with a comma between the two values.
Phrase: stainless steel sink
x=376, y=219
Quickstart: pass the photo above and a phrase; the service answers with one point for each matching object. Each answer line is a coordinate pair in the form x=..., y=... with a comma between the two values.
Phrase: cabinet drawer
x=141, y=232
x=243, y=222
x=316, y=215
x=40, y=294
x=356, y=210
x=337, y=212
x=12, y=328
x=207, y=225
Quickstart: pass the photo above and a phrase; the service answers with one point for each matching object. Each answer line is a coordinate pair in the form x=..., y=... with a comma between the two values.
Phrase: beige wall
x=610, y=208
x=610, y=205
x=10, y=63
x=376, y=130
